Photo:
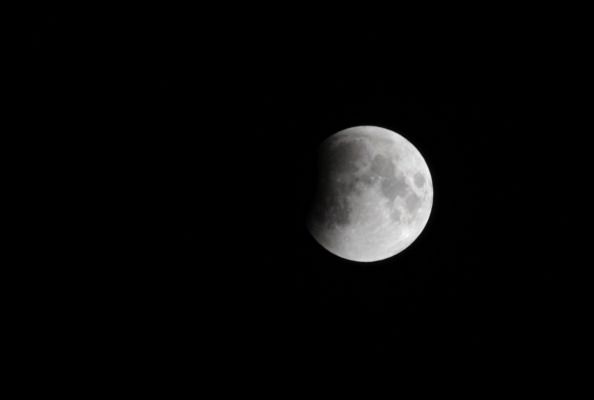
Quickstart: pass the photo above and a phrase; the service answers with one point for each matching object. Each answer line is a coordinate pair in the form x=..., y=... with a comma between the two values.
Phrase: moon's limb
x=375, y=194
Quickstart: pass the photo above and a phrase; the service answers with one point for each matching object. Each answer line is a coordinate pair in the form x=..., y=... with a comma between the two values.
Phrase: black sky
x=208, y=130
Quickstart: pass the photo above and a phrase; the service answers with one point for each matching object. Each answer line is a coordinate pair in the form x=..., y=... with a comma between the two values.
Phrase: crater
x=367, y=179
x=382, y=166
x=395, y=215
x=392, y=188
x=413, y=202
x=419, y=180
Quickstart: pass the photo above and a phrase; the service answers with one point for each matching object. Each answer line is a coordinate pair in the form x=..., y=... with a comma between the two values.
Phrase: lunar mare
x=374, y=194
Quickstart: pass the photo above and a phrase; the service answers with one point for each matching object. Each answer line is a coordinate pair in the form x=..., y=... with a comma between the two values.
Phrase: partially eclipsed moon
x=374, y=194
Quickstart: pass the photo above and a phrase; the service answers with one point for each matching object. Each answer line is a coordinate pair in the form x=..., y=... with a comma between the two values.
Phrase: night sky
x=208, y=132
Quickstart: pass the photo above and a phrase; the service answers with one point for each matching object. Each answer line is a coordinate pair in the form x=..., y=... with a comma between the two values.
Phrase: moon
x=374, y=194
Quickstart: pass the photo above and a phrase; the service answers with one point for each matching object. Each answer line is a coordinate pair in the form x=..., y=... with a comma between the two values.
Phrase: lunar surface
x=374, y=194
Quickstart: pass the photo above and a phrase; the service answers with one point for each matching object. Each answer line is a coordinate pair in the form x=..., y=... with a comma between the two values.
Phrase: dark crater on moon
x=419, y=180
x=395, y=215
x=413, y=202
x=382, y=166
x=393, y=185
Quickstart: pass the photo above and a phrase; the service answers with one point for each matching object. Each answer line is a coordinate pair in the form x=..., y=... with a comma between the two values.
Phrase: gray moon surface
x=374, y=194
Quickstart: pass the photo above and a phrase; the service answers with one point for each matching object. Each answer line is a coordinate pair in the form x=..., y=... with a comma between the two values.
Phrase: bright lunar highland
x=374, y=194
